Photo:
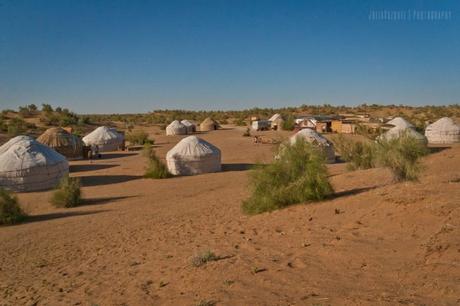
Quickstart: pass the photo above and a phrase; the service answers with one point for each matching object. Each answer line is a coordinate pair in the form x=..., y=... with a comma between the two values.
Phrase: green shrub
x=16, y=126
x=402, y=156
x=68, y=193
x=10, y=211
x=298, y=175
x=139, y=138
x=156, y=168
x=289, y=123
x=358, y=154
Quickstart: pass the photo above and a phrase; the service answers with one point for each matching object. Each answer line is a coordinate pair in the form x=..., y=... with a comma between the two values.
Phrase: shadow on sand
x=89, y=167
x=52, y=216
x=97, y=180
x=237, y=167
x=436, y=149
x=350, y=192
x=104, y=200
x=115, y=155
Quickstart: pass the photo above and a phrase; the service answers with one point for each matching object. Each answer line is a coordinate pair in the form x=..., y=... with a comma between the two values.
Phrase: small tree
x=32, y=107
x=156, y=169
x=298, y=175
x=47, y=108
x=358, y=154
x=10, y=211
x=402, y=156
x=68, y=193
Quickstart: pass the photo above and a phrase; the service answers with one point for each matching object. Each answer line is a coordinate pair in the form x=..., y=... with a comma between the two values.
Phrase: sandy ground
x=374, y=243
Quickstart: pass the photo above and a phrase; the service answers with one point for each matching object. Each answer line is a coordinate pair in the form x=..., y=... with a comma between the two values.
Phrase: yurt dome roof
x=58, y=137
x=400, y=123
x=193, y=146
x=396, y=132
x=310, y=136
x=444, y=124
x=103, y=135
x=187, y=123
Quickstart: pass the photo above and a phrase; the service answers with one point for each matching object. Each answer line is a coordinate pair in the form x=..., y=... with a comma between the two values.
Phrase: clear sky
x=97, y=56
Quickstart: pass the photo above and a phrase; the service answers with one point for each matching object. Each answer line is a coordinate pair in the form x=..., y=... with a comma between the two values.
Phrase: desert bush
x=201, y=259
x=10, y=211
x=289, y=123
x=156, y=169
x=16, y=126
x=139, y=138
x=68, y=193
x=402, y=156
x=298, y=175
x=358, y=154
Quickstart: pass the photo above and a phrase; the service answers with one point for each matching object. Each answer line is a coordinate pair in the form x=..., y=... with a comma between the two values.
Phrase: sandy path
x=375, y=243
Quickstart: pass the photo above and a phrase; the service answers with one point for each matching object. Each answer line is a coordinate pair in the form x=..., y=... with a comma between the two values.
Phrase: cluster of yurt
x=176, y=128
x=402, y=127
x=318, y=140
x=209, y=124
x=65, y=143
x=193, y=155
x=443, y=131
x=107, y=139
x=28, y=165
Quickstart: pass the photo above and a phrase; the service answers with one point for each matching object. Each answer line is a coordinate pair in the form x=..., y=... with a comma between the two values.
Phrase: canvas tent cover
x=400, y=123
x=443, y=131
x=193, y=155
x=208, y=124
x=176, y=128
x=107, y=139
x=190, y=126
x=317, y=139
x=27, y=165
x=65, y=143
x=397, y=132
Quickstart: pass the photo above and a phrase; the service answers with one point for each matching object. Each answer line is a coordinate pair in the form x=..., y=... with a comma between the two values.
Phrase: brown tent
x=69, y=145
x=209, y=124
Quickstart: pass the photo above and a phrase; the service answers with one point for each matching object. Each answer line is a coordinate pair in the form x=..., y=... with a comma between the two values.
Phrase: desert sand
x=375, y=243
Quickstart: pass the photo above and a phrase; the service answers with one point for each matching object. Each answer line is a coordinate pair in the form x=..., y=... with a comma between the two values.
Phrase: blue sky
x=97, y=56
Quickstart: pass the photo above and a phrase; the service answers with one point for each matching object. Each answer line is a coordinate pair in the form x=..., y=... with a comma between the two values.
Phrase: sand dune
x=374, y=243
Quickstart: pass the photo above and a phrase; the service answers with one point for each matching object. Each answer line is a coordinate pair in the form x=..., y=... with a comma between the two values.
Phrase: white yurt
x=27, y=165
x=397, y=132
x=316, y=139
x=400, y=123
x=107, y=139
x=190, y=126
x=443, y=131
x=176, y=128
x=193, y=155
